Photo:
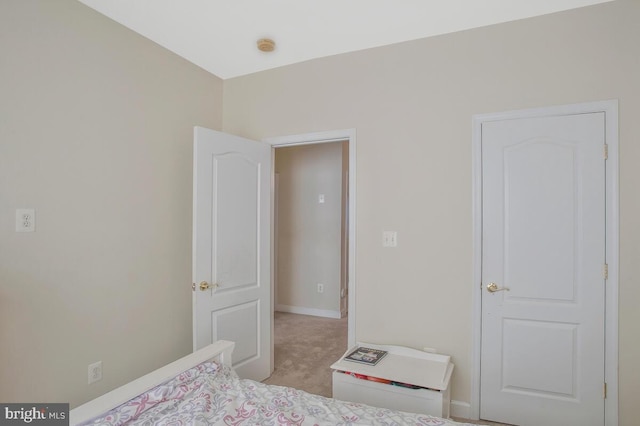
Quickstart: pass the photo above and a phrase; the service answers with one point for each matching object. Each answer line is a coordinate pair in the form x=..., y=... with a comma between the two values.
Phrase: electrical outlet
x=25, y=220
x=95, y=372
x=320, y=288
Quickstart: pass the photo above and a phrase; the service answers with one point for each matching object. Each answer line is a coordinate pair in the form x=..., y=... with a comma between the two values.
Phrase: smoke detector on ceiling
x=266, y=45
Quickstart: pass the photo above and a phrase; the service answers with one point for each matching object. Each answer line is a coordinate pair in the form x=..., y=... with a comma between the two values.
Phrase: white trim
x=460, y=410
x=308, y=311
x=610, y=108
x=613, y=260
x=476, y=299
x=336, y=136
x=311, y=138
x=275, y=188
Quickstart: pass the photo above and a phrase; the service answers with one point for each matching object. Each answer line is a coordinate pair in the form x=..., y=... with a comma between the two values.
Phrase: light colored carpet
x=305, y=348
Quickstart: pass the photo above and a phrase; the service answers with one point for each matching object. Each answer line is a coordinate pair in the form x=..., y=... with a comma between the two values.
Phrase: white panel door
x=543, y=248
x=231, y=248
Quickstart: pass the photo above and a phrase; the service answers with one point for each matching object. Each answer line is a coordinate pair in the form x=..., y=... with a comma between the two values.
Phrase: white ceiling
x=220, y=35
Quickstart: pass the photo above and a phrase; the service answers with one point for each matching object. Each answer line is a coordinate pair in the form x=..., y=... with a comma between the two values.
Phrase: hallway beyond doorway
x=304, y=348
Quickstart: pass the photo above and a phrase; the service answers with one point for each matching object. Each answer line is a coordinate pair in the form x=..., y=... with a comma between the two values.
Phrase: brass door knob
x=493, y=287
x=206, y=286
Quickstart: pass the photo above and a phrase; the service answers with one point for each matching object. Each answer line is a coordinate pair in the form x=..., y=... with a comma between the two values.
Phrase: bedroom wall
x=309, y=233
x=96, y=128
x=411, y=105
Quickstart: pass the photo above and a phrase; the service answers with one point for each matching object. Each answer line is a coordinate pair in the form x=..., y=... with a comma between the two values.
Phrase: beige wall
x=96, y=130
x=309, y=233
x=95, y=134
x=411, y=105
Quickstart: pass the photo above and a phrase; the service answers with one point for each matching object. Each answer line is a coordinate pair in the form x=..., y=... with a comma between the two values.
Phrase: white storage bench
x=429, y=372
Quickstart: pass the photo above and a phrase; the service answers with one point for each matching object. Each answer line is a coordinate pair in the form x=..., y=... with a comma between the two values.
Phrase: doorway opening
x=314, y=229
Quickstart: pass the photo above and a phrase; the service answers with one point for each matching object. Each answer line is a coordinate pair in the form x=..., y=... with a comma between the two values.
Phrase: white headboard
x=219, y=351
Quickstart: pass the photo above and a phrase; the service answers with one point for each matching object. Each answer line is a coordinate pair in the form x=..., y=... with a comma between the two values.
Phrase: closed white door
x=543, y=257
x=232, y=248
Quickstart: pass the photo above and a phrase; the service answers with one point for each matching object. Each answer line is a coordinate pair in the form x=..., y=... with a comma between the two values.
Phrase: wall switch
x=321, y=199
x=320, y=288
x=25, y=220
x=389, y=239
x=95, y=372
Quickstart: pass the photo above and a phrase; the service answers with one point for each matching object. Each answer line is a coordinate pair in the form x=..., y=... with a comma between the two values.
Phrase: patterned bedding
x=211, y=394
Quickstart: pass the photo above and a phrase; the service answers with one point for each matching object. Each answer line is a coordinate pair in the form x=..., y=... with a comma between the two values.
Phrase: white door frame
x=610, y=108
x=348, y=135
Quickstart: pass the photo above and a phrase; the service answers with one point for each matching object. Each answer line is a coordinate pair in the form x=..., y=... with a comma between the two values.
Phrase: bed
x=202, y=388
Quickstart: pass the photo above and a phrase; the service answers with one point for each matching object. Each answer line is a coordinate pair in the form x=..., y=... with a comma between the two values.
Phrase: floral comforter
x=210, y=394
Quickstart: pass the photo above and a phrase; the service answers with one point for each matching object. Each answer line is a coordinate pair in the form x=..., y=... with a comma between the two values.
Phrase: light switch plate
x=389, y=239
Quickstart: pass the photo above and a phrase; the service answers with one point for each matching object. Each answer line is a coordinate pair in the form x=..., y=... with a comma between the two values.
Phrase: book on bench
x=366, y=355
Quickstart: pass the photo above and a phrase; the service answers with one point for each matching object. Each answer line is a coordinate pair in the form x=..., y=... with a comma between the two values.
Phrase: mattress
x=213, y=394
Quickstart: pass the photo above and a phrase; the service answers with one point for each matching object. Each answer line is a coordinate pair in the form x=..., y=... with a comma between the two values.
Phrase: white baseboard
x=461, y=410
x=308, y=311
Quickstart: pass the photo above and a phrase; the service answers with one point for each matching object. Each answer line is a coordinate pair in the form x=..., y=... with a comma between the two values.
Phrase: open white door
x=231, y=248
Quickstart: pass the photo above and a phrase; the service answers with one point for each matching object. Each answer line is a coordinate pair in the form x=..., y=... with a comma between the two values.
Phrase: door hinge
x=604, y=390
x=606, y=151
x=605, y=271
